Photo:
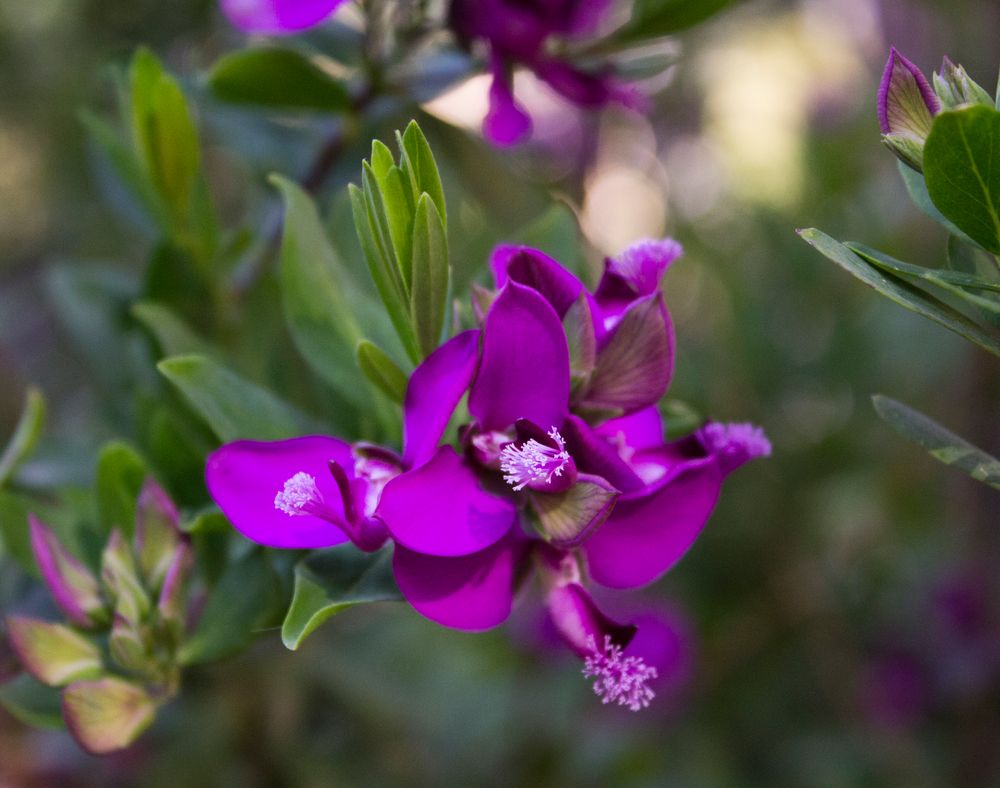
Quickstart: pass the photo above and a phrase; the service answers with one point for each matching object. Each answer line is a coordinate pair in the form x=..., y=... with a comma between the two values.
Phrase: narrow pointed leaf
x=231, y=406
x=382, y=371
x=108, y=714
x=384, y=274
x=172, y=334
x=942, y=444
x=903, y=293
x=330, y=581
x=26, y=435
x=962, y=170
x=656, y=18
x=277, y=78
x=422, y=168
x=431, y=272
x=53, y=653
x=967, y=287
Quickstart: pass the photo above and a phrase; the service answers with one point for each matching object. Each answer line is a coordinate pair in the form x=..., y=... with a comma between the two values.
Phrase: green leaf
x=962, y=170
x=431, y=274
x=231, y=406
x=329, y=581
x=14, y=532
x=121, y=471
x=26, y=435
x=942, y=444
x=240, y=606
x=32, y=702
x=916, y=186
x=317, y=302
x=904, y=294
x=171, y=333
x=965, y=286
x=164, y=132
x=655, y=18
x=385, y=274
x=418, y=164
x=108, y=714
x=127, y=168
x=382, y=371
x=277, y=78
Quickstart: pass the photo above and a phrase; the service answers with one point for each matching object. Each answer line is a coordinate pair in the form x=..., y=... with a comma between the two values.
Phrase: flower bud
x=906, y=109
x=157, y=535
x=956, y=88
x=107, y=714
x=53, y=653
x=73, y=587
x=121, y=580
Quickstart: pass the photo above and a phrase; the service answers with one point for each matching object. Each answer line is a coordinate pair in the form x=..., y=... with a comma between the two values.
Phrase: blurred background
x=839, y=620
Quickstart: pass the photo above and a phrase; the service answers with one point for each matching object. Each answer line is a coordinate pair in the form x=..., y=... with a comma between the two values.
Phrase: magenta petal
x=277, y=17
x=538, y=271
x=524, y=371
x=440, y=509
x=595, y=453
x=636, y=272
x=640, y=430
x=245, y=477
x=434, y=391
x=506, y=122
x=648, y=532
x=471, y=592
x=580, y=622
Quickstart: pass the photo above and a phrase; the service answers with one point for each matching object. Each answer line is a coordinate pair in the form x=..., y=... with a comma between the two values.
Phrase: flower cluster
x=562, y=470
x=118, y=654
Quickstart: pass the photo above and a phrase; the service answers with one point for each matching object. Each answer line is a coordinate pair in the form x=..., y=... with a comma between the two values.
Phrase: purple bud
x=171, y=602
x=73, y=587
x=157, y=533
x=906, y=102
x=906, y=109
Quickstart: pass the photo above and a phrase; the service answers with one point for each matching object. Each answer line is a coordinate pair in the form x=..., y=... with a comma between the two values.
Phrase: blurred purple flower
x=277, y=17
x=517, y=32
x=894, y=690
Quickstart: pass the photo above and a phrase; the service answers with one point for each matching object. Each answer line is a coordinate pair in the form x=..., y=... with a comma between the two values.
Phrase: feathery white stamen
x=298, y=495
x=621, y=680
x=533, y=462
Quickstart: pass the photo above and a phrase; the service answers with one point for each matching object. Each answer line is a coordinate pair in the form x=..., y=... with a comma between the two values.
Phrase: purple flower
x=277, y=17
x=517, y=32
x=906, y=109
x=535, y=483
x=319, y=491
